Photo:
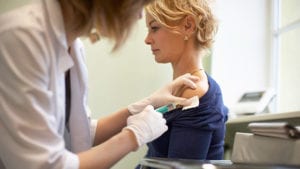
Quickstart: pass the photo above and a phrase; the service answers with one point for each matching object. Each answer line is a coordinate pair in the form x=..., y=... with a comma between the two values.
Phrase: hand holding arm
x=165, y=95
x=147, y=125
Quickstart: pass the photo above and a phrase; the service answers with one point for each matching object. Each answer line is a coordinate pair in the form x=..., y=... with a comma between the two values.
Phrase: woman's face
x=166, y=46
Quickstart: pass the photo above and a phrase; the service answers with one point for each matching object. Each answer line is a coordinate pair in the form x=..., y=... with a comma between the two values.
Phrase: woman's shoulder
x=201, y=89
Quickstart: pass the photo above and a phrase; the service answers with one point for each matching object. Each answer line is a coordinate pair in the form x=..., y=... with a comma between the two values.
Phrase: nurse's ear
x=189, y=25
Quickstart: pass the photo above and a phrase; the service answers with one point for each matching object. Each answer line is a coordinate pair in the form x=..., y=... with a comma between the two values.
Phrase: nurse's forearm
x=110, y=125
x=110, y=152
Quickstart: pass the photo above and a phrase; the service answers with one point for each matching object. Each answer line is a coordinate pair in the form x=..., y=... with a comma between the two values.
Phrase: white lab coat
x=33, y=60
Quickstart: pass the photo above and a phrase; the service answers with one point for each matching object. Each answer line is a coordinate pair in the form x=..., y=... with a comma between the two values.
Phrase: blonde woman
x=180, y=32
x=44, y=119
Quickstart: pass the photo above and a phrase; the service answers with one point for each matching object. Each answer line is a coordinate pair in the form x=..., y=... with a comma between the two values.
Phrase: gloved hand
x=147, y=125
x=165, y=95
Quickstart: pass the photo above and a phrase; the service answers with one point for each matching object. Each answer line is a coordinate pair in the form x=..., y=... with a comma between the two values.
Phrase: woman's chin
x=160, y=60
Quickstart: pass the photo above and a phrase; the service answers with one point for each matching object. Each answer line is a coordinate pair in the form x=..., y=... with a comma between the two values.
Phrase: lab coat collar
x=79, y=118
x=54, y=12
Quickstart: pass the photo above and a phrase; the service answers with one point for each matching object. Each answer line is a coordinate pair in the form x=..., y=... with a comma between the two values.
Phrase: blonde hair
x=116, y=17
x=170, y=13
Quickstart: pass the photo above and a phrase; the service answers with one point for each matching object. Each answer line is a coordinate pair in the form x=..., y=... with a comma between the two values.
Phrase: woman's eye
x=154, y=28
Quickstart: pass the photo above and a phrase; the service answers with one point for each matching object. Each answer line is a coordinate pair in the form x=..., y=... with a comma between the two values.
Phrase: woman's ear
x=189, y=25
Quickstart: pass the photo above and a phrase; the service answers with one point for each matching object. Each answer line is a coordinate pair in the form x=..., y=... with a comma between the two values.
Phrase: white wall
x=242, y=49
x=289, y=57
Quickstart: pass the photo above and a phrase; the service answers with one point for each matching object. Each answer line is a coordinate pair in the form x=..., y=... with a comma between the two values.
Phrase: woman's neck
x=192, y=70
x=187, y=64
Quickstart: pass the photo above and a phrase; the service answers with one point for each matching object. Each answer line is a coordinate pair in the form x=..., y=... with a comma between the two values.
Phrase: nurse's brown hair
x=112, y=19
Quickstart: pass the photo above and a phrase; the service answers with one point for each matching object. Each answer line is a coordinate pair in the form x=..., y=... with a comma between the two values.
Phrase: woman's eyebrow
x=149, y=24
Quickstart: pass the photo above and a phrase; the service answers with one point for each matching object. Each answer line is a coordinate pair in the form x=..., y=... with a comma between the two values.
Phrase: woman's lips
x=154, y=50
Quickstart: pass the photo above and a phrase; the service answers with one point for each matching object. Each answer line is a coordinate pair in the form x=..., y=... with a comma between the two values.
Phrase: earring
x=186, y=38
x=94, y=36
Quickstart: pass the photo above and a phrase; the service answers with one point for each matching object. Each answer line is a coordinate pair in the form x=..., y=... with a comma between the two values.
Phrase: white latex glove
x=165, y=95
x=147, y=125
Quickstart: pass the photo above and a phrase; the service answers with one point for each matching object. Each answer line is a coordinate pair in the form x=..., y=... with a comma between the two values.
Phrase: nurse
x=44, y=118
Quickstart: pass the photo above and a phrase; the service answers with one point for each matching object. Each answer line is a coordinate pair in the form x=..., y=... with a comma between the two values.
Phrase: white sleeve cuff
x=72, y=161
x=93, y=129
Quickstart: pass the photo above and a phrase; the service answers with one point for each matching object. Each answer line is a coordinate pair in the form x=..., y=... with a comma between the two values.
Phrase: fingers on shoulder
x=200, y=91
x=187, y=80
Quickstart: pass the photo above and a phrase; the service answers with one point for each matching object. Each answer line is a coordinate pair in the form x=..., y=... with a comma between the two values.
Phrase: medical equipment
x=172, y=106
x=253, y=102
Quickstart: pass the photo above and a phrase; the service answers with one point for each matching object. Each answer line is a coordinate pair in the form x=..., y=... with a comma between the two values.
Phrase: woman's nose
x=147, y=40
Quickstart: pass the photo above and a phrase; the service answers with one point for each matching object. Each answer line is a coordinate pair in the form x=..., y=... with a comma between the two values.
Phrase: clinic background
x=242, y=59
